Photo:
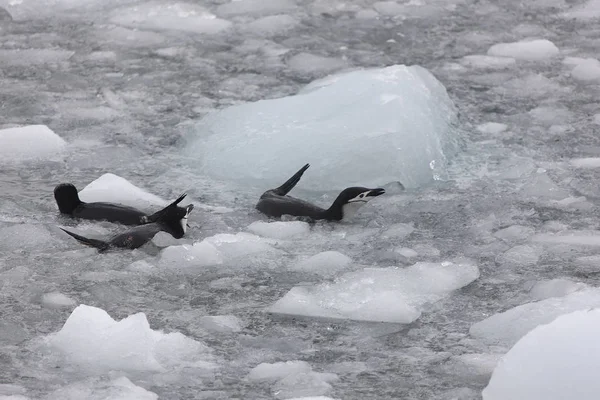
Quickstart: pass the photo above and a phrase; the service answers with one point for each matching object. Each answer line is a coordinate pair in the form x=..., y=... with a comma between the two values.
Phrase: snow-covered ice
x=221, y=323
x=528, y=50
x=378, y=294
x=492, y=128
x=115, y=189
x=508, y=327
x=488, y=62
x=91, y=339
x=32, y=142
x=554, y=288
x=588, y=162
x=552, y=362
x=343, y=125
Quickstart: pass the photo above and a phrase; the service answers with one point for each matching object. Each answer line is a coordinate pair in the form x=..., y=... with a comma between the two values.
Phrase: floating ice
x=280, y=229
x=221, y=323
x=590, y=162
x=587, y=70
x=552, y=362
x=215, y=250
x=580, y=238
x=307, y=63
x=508, y=327
x=514, y=233
x=378, y=294
x=30, y=237
x=528, y=50
x=272, y=25
x=366, y=127
x=492, y=128
x=555, y=288
x=540, y=185
x=473, y=365
x=489, y=62
x=173, y=16
x=589, y=10
x=398, y=231
x=326, y=262
x=255, y=7
x=30, y=57
x=293, y=379
x=32, y=142
x=114, y=189
x=57, y=300
x=278, y=370
x=91, y=339
x=522, y=255
x=98, y=389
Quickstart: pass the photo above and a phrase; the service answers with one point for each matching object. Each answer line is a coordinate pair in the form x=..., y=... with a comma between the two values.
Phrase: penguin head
x=66, y=197
x=351, y=199
x=174, y=218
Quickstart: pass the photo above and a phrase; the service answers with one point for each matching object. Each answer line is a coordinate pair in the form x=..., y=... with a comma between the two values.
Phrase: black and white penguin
x=68, y=202
x=172, y=219
x=276, y=203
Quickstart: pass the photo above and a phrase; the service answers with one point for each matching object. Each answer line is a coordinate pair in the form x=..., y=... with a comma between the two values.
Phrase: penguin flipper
x=157, y=215
x=98, y=244
x=290, y=183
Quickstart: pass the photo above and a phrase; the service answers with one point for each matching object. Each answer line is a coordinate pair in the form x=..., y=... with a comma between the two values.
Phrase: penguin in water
x=172, y=219
x=68, y=202
x=276, y=203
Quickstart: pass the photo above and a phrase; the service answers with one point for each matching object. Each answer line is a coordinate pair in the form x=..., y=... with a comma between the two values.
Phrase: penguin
x=68, y=202
x=275, y=202
x=172, y=219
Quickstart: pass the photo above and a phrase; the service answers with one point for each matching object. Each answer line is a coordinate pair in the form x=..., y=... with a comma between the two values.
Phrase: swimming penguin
x=173, y=220
x=276, y=203
x=68, y=202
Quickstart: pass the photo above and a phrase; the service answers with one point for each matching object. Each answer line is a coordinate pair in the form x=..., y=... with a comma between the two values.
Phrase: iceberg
x=365, y=127
x=552, y=362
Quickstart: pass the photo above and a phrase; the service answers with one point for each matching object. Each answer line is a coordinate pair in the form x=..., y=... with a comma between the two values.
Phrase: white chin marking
x=183, y=222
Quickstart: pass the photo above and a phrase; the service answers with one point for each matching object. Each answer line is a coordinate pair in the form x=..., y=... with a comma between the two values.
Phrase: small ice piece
x=280, y=229
x=488, y=62
x=528, y=50
x=366, y=14
x=406, y=252
x=303, y=384
x=221, y=323
x=31, y=57
x=393, y=124
x=514, y=233
x=272, y=25
x=114, y=189
x=556, y=361
x=540, y=185
x=551, y=115
x=102, y=389
x=587, y=70
x=555, y=288
x=57, y=300
x=398, y=231
x=596, y=119
x=378, y=294
x=307, y=63
x=588, y=162
x=587, y=11
x=522, y=255
x=389, y=8
x=91, y=339
x=492, y=128
x=326, y=262
x=508, y=327
x=278, y=370
x=255, y=8
x=579, y=238
x=173, y=16
x=215, y=250
x=31, y=142
x=141, y=266
x=32, y=237
x=200, y=254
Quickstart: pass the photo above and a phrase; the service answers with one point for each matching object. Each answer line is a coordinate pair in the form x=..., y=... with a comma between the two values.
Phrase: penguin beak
x=375, y=192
